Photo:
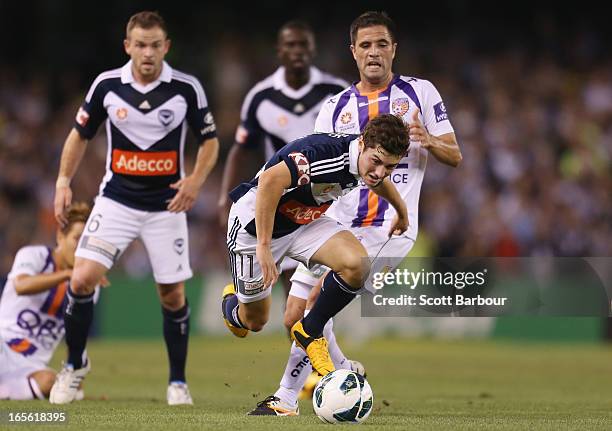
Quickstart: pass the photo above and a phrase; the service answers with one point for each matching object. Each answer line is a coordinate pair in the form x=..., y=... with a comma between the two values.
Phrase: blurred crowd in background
x=533, y=117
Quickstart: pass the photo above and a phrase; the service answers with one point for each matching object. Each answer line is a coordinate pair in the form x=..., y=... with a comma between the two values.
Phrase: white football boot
x=178, y=393
x=67, y=382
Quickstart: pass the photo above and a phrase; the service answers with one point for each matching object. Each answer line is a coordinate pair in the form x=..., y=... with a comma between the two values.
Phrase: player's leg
x=284, y=401
x=111, y=227
x=165, y=237
x=42, y=380
x=246, y=302
x=319, y=243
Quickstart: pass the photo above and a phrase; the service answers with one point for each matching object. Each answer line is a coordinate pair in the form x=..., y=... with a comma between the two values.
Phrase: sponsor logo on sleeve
x=144, y=163
x=208, y=118
x=440, y=112
x=82, y=117
x=303, y=167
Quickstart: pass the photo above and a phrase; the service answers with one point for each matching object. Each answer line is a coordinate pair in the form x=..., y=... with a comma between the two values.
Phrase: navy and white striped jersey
x=323, y=167
x=274, y=114
x=146, y=127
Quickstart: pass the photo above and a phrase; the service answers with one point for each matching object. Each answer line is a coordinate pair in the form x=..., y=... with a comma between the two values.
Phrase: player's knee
x=354, y=269
x=292, y=316
x=257, y=324
x=44, y=379
x=172, y=297
x=83, y=282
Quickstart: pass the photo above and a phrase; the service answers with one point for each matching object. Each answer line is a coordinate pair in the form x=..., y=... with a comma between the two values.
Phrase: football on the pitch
x=343, y=396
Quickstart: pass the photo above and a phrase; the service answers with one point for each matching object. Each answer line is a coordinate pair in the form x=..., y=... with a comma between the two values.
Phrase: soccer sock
x=340, y=361
x=78, y=316
x=176, y=335
x=335, y=295
x=230, y=306
x=296, y=372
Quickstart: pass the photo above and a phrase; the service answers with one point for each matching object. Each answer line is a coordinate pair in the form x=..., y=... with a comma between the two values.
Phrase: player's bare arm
x=387, y=190
x=72, y=154
x=444, y=147
x=189, y=186
x=233, y=174
x=272, y=183
x=33, y=284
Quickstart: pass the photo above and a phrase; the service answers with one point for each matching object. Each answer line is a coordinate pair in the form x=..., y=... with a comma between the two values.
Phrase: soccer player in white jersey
x=378, y=91
x=148, y=107
x=277, y=110
x=31, y=311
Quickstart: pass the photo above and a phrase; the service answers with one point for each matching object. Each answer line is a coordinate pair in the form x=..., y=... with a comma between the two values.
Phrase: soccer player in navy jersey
x=277, y=110
x=147, y=106
x=280, y=213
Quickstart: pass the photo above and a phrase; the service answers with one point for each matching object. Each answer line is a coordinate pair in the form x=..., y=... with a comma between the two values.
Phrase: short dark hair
x=388, y=131
x=295, y=24
x=370, y=19
x=75, y=213
x=146, y=19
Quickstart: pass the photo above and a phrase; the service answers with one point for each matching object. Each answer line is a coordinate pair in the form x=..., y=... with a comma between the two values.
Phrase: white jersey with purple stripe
x=350, y=111
x=32, y=325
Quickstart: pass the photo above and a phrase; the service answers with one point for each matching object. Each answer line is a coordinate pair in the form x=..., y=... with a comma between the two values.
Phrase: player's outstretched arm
x=387, y=190
x=233, y=173
x=189, y=186
x=32, y=284
x=271, y=185
x=72, y=154
x=444, y=147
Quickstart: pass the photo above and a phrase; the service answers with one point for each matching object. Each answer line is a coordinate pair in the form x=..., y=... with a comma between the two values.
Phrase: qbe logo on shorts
x=144, y=163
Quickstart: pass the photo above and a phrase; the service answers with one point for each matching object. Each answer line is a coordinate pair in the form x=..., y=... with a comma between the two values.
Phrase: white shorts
x=385, y=254
x=16, y=366
x=299, y=245
x=112, y=227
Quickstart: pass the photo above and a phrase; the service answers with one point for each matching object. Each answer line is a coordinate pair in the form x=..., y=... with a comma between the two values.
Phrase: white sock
x=296, y=372
x=16, y=389
x=340, y=361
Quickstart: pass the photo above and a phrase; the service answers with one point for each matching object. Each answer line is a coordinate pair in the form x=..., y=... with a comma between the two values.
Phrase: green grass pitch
x=418, y=384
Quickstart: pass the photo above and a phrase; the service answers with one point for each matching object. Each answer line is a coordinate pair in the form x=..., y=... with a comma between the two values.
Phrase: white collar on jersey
x=128, y=78
x=278, y=78
x=354, y=157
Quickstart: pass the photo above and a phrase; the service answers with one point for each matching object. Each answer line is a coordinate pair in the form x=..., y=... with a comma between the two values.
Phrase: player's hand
x=104, y=282
x=417, y=131
x=185, y=198
x=223, y=208
x=267, y=264
x=399, y=225
x=63, y=199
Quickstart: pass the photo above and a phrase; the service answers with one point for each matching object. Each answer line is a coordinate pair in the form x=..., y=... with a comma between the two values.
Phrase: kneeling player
x=279, y=212
x=31, y=307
